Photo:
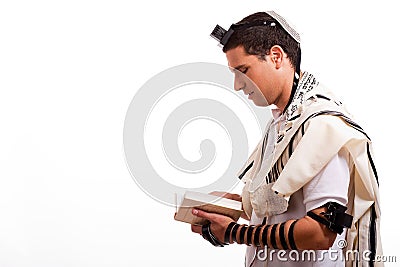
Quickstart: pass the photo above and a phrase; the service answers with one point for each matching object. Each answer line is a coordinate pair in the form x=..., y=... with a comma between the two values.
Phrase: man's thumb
x=202, y=214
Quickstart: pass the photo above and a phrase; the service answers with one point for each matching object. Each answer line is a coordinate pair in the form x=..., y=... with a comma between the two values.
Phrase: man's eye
x=245, y=70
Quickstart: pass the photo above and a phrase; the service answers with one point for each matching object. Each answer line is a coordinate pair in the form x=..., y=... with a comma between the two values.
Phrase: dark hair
x=258, y=40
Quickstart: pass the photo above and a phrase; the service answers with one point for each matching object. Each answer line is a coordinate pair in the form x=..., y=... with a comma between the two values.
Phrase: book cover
x=208, y=203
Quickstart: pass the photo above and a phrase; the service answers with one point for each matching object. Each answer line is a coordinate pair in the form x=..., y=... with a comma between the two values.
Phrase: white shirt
x=331, y=184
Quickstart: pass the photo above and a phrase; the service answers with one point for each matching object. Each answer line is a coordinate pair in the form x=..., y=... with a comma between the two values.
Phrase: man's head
x=258, y=40
x=265, y=51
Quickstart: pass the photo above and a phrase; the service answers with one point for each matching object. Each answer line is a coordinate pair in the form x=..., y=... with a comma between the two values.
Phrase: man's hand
x=218, y=225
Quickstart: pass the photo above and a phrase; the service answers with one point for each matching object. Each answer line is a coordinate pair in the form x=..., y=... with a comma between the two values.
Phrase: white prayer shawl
x=325, y=128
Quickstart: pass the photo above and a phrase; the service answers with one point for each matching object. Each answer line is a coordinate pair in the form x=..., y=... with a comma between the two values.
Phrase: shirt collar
x=276, y=113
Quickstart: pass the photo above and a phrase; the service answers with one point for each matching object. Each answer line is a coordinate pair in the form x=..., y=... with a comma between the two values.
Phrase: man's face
x=258, y=79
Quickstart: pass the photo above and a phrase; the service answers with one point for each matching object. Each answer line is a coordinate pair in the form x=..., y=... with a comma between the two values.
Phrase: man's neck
x=284, y=98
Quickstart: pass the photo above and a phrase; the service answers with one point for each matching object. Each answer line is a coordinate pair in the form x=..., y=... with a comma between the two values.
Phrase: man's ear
x=277, y=55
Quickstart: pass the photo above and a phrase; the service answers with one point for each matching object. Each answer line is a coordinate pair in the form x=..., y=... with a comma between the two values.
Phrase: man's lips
x=250, y=94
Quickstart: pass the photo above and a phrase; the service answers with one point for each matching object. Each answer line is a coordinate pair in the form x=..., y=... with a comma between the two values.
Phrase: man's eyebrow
x=237, y=67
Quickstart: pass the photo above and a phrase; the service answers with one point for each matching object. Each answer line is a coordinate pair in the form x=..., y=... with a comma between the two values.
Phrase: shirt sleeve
x=330, y=184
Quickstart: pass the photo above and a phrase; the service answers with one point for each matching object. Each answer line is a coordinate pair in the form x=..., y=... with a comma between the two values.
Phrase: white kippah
x=285, y=25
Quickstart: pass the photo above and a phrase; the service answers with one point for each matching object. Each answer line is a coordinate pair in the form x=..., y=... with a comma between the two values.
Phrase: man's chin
x=260, y=103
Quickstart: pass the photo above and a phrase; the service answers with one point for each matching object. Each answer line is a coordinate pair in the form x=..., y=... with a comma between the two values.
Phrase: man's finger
x=218, y=193
x=196, y=229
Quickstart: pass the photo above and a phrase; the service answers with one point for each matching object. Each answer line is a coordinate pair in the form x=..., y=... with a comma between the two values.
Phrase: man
x=313, y=164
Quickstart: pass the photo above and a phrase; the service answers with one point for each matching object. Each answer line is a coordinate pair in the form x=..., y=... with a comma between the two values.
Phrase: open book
x=208, y=203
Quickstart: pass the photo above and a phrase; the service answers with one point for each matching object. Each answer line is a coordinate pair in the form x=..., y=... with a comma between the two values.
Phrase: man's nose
x=238, y=84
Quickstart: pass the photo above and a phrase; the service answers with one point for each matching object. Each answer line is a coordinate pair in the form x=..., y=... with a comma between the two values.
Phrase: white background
x=68, y=71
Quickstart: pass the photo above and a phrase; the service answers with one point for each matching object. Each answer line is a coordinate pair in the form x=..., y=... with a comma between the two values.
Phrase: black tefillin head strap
x=334, y=218
x=223, y=36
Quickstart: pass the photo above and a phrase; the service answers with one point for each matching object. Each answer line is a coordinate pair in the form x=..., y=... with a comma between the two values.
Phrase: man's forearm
x=304, y=233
